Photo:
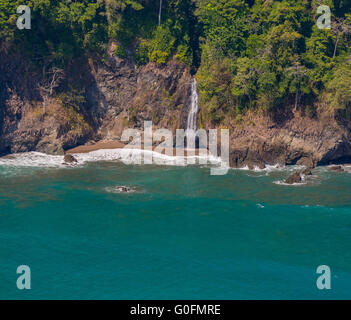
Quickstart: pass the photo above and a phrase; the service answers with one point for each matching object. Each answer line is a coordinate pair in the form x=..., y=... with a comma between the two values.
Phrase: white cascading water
x=194, y=109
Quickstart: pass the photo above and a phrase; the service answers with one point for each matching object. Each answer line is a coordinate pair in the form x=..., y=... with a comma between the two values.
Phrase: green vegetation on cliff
x=249, y=53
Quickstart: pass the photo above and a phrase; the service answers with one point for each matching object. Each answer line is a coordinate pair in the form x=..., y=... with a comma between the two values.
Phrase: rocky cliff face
x=123, y=95
x=28, y=120
x=119, y=95
x=296, y=139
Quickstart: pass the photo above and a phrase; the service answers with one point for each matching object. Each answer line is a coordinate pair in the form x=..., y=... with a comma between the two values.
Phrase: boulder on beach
x=68, y=158
x=294, y=178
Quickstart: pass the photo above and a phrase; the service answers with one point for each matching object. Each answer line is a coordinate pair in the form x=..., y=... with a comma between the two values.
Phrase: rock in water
x=337, y=169
x=252, y=165
x=69, y=159
x=308, y=162
x=307, y=172
x=294, y=178
x=122, y=189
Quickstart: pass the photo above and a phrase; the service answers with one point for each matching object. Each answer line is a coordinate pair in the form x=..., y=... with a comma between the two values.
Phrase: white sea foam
x=128, y=156
x=278, y=167
x=135, y=156
x=282, y=183
x=304, y=180
x=32, y=159
x=313, y=206
x=123, y=189
x=272, y=168
x=245, y=168
x=326, y=169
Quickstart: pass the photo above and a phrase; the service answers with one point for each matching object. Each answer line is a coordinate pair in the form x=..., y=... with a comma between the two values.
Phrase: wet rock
x=261, y=166
x=70, y=159
x=307, y=162
x=307, y=172
x=122, y=189
x=237, y=157
x=252, y=165
x=337, y=169
x=294, y=178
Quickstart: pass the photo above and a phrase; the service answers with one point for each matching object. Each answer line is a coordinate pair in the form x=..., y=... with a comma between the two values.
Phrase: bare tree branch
x=51, y=80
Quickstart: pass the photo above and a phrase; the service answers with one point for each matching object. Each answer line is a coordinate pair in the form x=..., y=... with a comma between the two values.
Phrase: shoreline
x=94, y=153
x=111, y=145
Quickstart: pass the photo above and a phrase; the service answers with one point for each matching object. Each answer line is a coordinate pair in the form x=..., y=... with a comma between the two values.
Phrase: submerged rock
x=121, y=189
x=294, y=178
x=70, y=159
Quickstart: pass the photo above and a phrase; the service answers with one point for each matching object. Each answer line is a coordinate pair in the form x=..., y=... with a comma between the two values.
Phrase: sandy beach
x=105, y=144
x=109, y=144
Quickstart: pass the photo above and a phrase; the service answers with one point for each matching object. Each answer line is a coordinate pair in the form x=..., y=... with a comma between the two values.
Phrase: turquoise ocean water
x=183, y=235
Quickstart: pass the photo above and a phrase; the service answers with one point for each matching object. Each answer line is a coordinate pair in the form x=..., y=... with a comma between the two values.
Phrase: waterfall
x=194, y=109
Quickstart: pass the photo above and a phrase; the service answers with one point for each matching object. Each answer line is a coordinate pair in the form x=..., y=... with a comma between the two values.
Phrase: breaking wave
x=127, y=156
x=32, y=159
x=271, y=168
x=282, y=183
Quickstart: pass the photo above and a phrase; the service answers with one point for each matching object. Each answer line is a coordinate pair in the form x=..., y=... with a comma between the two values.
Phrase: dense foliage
x=270, y=54
x=248, y=53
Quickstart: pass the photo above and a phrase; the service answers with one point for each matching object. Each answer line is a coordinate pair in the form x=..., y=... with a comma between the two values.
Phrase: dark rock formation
x=300, y=140
x=68, y=158
x=307, y=172
x=118, y=95
x=255, y=164
x=307, y=162
x=297, y=176
x=294, y=178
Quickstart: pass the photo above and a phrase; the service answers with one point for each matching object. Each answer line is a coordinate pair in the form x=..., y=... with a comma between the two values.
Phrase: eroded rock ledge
x=297, y=140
